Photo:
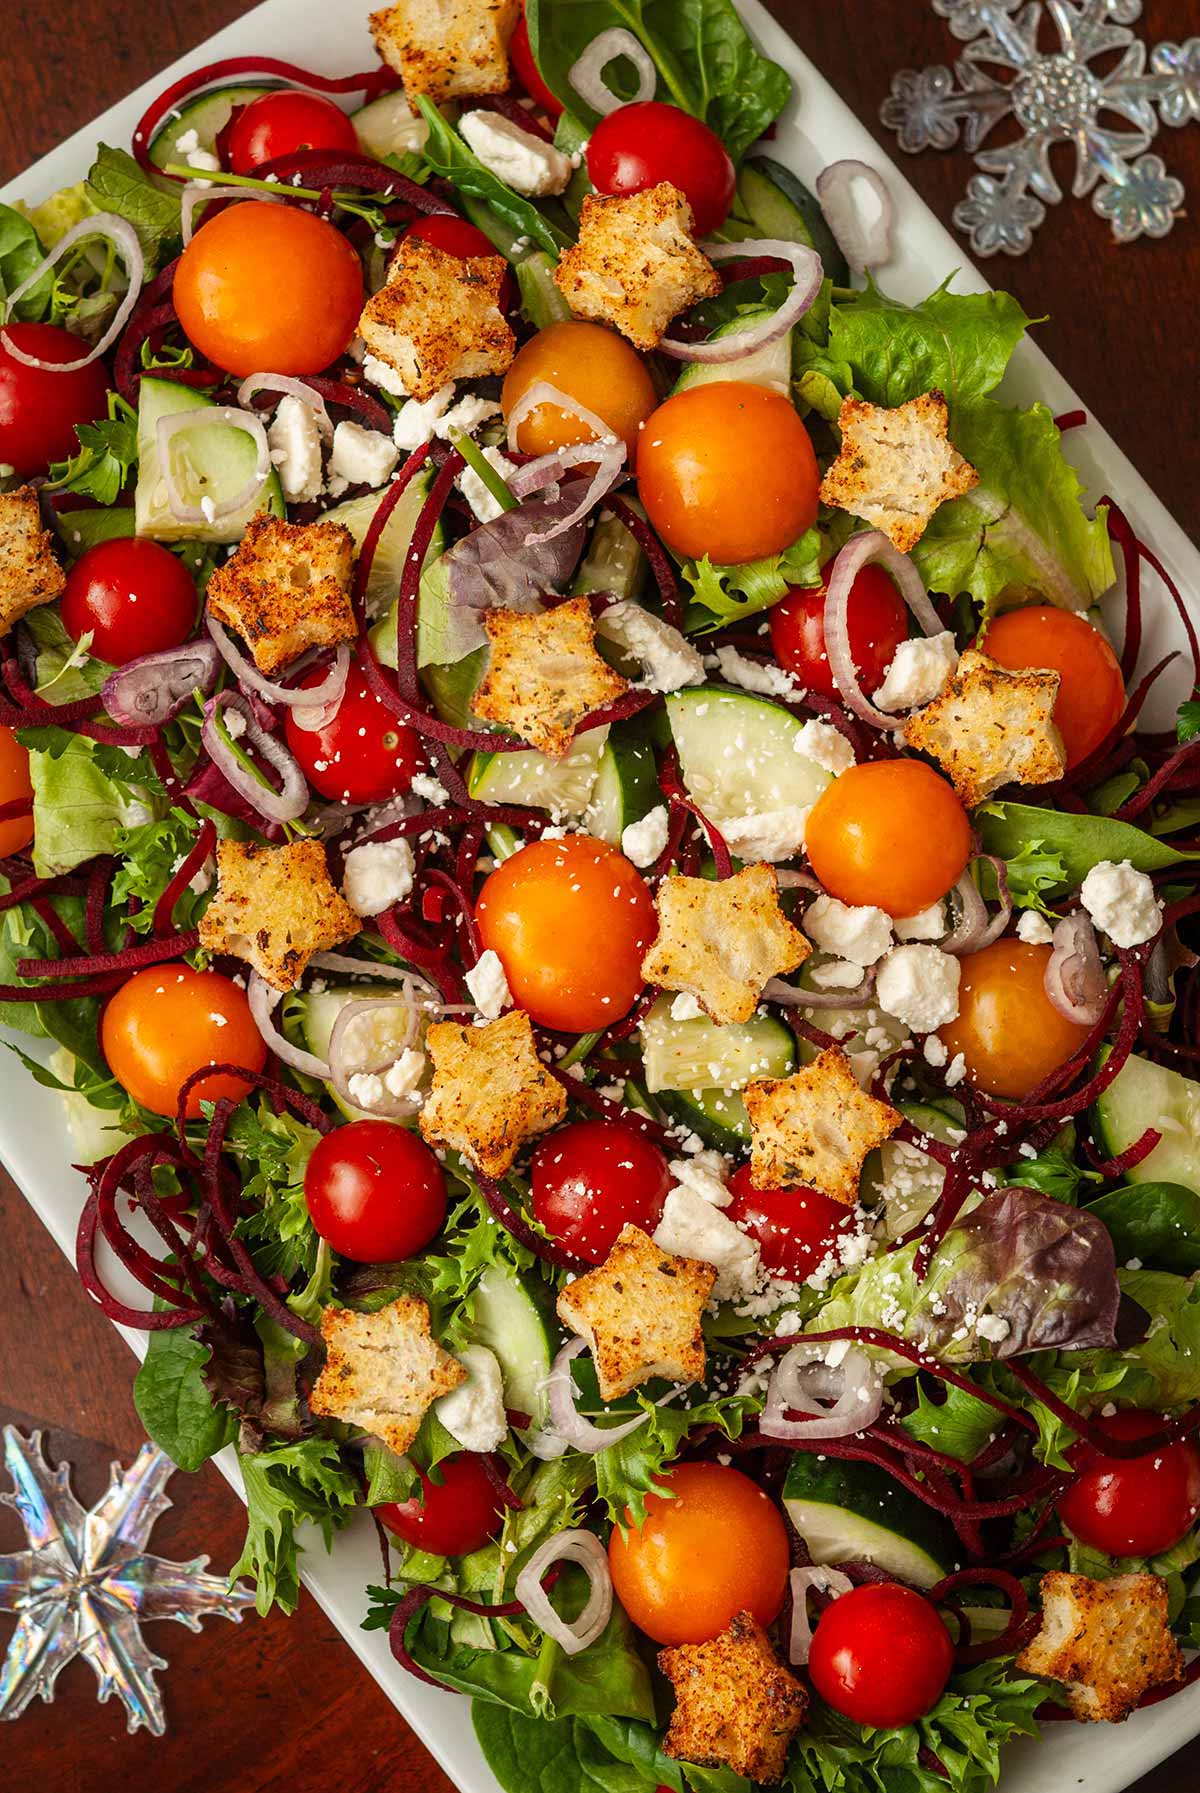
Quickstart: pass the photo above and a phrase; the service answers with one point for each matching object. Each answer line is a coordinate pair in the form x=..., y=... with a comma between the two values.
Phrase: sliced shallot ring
x=864, y=246
x=565, y=1419
x=289, y=388
x=143, y=691
x=264, y=999
x=866, y=549
x=609, y=460
x=791, y=996
x=585, y=1549
x=827, y=1580
x=802, y=1381
x=341, y=1074
x=328, y=694
x=208, y=417
x=543, y=393
x=726, y=350
x=1074, y=978
x=586, y=74
x=201, y=192
x=284, y=805
x=119, y=232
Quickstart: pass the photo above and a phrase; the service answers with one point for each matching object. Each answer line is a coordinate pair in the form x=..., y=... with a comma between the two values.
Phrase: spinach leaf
x=1078, y=841
x=20, y=254
x=531, y=1755
x=449, y=157
x=117, y=184
x=173, y=1402
x=1156, y=1222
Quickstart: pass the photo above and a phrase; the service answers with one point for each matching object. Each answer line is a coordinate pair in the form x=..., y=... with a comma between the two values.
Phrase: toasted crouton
x=447, y=48
x=383, y=1371
x=722, y=941
x=640, y=1314
x=991, y=727
x=635, y=264
x=1108, y=1642
x=438, y=318
x=29, y=573
x=544, y=674
x=287, y=589
x=275, y=907
x=490, y=1092
x=736, y=1706
x=896, y=466
x=815, y=1128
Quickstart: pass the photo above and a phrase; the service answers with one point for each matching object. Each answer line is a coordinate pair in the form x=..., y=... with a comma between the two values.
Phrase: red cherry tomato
x=39, y=409
x=451, y=1517
x=876, y=620
x=594, y=1177
x=1091, y=692
x=638, y=146
x=520, y=54
x=135, y=596
x=795, y=1228
x=1134, y=1506
x=364, y=754
x=278, y=124
x=454, y=236
x=375, y=1192
x=881, y=1655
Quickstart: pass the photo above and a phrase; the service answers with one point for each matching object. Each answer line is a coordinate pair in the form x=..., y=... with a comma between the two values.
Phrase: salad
x=615, y=951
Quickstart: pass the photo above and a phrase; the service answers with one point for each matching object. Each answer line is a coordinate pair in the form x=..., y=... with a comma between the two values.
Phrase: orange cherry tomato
x=728, y=470
x=1091, y=695
x=269, y=287
x=716, y=1545
x=890, y=833
x=1007, y=1029
x=590, y=364
x=167, y=1022
x=570, y=921
x=15, y=787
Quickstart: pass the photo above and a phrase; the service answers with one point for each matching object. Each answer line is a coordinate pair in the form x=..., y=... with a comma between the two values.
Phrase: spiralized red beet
x=327, y=170
x=670, y=783
x=1017, y=1632
x=656, y=554
x=1114, y=1168
x=412, y=1603
x=1185, y=1425
x=129, y=958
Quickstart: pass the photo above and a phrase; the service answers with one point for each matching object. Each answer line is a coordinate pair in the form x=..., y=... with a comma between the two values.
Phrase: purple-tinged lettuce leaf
x=493, y=569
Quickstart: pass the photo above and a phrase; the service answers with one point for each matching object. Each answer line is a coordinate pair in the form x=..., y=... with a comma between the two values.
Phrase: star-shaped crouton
x=275, y=907
x=815, y=1128
x=723, y=940
x=896, y=466
x=29, y=573
x=1108, y=1642
x=640, y=1314
x=446, y=48
x=438, y=318
x=991, y=727
x=635, y=264
x=736, y=1706
x=383, y=1371
x=287, y=589
x=490, y=1091
x=544, y=674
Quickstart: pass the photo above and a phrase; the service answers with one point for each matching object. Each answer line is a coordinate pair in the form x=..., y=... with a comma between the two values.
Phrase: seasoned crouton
x=991, y=727
x=635, y=264
x=490, y=1092
x=447, y=48
x=383, y=1371
x=544, y=674
x=815, y=1128
x=287, y=589
x=1108, y=1642
x=438, y=318
x=275, y=907
x=896, y=466
x=722, y=941
x=736, y=1706
x=29, y=573
x=640, y=1314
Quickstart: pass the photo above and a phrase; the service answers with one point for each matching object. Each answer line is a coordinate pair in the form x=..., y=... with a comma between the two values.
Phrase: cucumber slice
x=779, y=205
x=452, y=688
x=213, y=463
x=854, y=1512
x=512, y=1316
x=207, y=116
x=562, y=786
x=388, y=566
x=614, y=562
x=695, y=1068
x=388, y=126
x=737, y=753
x=903, y=1183
x=1145, y=1095
x=626, y=787
x=319, y=1010
x=770, y=366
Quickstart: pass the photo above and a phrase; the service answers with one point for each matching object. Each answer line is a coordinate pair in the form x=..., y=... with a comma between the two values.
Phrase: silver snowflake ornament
x=87, y=1584
x=1051, y=95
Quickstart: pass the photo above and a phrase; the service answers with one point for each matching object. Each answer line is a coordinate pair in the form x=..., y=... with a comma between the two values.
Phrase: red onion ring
x=284, y=805
x=586, y=74
x=803, y=1382
x=543, y=393
x=573, y=1546
x=155, y=687
x=871, y=547
x=789, y=996
x=264, y=999
x=307, y=697
x=1074, y=978
x=284, y=384
x=609, y=459
x=867, y=246
x=220, y=416
x=805, y=264
x=340, y=1072
x=827, y=1580
x=566, y=1421
x=119, y=232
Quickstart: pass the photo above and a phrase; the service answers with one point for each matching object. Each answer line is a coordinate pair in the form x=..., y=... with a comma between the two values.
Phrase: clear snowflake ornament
x=1110, y=114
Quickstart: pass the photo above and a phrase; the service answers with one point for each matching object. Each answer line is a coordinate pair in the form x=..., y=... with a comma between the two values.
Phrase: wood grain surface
x=281, y=1706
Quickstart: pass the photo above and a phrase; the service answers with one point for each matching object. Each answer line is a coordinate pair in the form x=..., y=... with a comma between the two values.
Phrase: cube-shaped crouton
x=383, y=1371
x=544, y=674
x=736, y=1706
x=490, y=1091
x=991, y=727
x=275, y=907
x=815, y=1128
x=635, y=264
x=447, y=48
x=1108, y=1642
x=29, y=573
x=286, y=589
x=896, y=466
x=723, y=940
x=438, y=318
x=640, y=1313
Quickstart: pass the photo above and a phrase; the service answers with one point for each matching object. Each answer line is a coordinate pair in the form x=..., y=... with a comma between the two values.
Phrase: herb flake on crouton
x=275, y=907
x=815, y=1128
x=640, y=1312
x=736, y=1706
x=1107, y=1642
x=635, y=265
x=29, y=573
x=286, y=590
x=383, y=1371
x=991, y=727
x=544, y=674
x=438, y=319
x=723, y=940
x=447, y=48
x=490, y=1091
x=897, y=466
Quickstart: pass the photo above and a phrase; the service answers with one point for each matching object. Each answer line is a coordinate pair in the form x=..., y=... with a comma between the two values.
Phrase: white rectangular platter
x=816, y=129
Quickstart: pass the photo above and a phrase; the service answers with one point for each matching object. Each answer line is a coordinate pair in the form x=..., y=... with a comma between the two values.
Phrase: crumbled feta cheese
x=1122, y=903
x=643, y=841
x=929, y=924
x=473, y=1413
x=853, y=931
x=377, y=875
x=956, y=1070
x=488, y=985
x=366, y=1089
x=388, y=380
x=1033, y=928
x=187, y=141
x=519, y=158
x=825, y=745
x=693, y=1228
x=918, y=672
x=837, y=974
x=919, y=986
x=417, y=419
x=235, y=723
x=486, y=507
x=669, y=661
x=993, y=1327
x=775, y=835
x=705, y=1174
x=764, y=679
x=685, y=1007
x=467, y=415
x=295, y=443
x=362, y=457
x=188, y=146
x=429, y=788
x=935, y=1052
x=404, y=1077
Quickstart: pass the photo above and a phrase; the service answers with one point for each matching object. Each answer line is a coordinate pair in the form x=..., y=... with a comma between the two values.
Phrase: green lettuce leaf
x=626, y=1472
x=1076, y=842
x=107, y=452
x=273, y=1151
x=117, y=184
x=79, y=808
x=287, y=1486
x=726, y=594
x=451, y=158
x=20, y=254
x=66, y=670
x=958, y=343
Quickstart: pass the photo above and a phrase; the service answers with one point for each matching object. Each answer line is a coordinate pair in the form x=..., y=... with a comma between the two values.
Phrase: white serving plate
x=817, y=128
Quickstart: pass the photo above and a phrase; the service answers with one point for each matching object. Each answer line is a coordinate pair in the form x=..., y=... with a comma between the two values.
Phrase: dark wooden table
x=281, y=1706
